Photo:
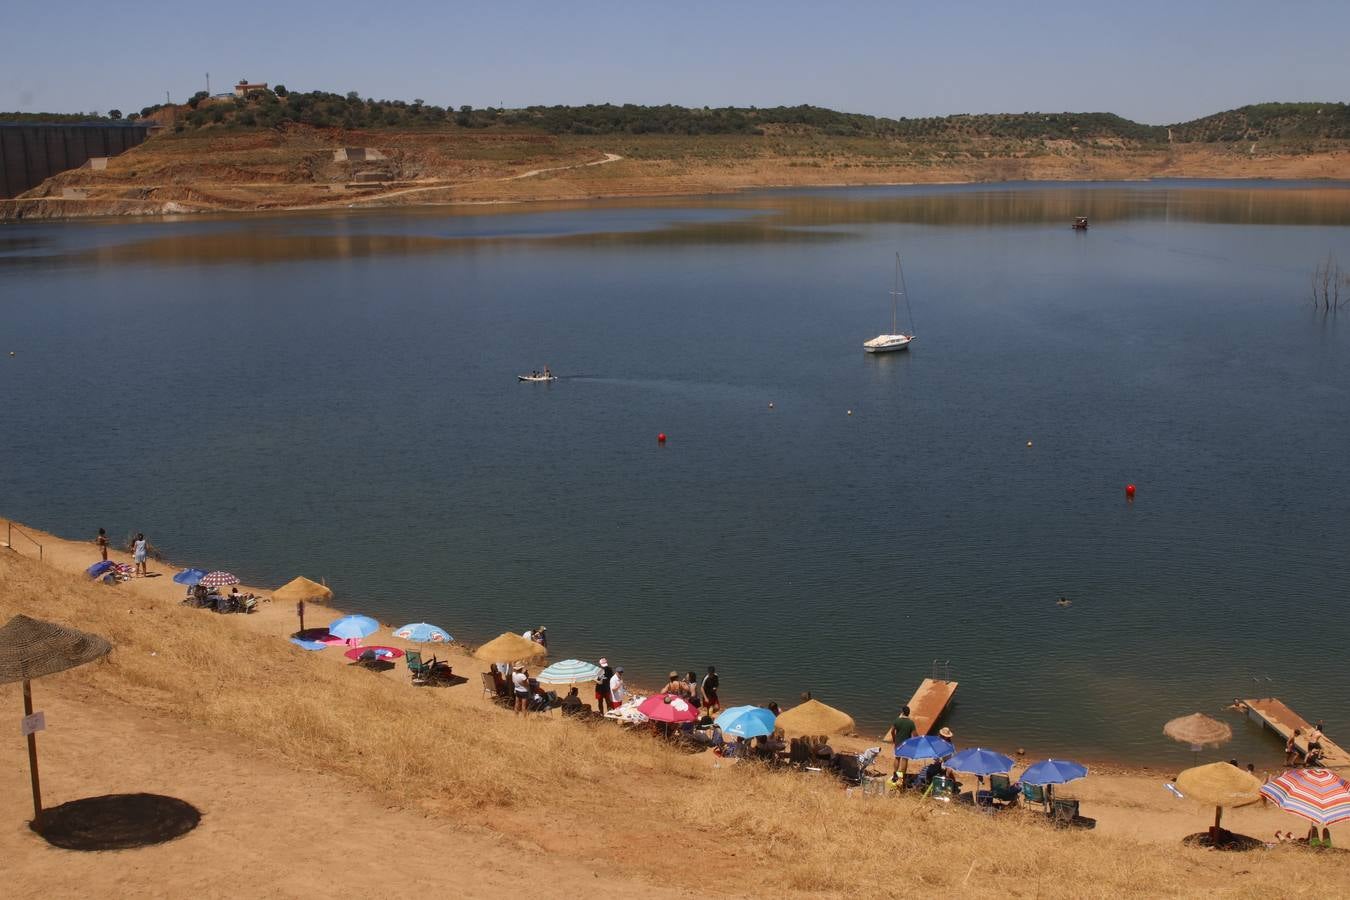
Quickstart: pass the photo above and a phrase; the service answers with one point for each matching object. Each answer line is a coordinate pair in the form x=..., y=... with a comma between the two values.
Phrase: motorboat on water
x=896, y=340
x=537, y=377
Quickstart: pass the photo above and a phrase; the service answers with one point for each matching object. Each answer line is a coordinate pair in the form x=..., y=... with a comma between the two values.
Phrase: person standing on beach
x=710, y=685
x=520, y=686
x=102, y=541
x=602, y=698
x=138, y=554
x=617, y=692
x=902, y=729
x=691, y=686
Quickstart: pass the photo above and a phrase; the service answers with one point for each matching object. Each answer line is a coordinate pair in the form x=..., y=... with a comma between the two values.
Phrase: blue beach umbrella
x=102, y=567
x=924, y=747
x=1054, y=771
x=979, y=761
x=189, y=577
x=353, y=627
x=570, y=671
x=308, y=645
x=423, y=633
x=746, y=721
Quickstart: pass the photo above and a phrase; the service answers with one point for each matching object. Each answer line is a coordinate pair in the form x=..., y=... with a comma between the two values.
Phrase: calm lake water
x=335, y=395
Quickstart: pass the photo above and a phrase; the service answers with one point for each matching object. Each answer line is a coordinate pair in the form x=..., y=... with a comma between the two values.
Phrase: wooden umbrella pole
x=32, y=750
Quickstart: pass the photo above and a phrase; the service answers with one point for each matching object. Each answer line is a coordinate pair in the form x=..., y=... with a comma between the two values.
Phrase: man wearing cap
x=603, y=701
x=902, y=729
x=616, y=689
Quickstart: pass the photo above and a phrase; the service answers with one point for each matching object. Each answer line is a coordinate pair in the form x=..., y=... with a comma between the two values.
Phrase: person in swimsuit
x=102, y=541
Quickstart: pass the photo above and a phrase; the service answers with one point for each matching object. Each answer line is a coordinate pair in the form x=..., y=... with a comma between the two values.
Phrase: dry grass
x=756, y=831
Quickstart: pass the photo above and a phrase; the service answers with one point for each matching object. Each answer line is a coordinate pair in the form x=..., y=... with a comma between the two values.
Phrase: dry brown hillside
x=221, y=168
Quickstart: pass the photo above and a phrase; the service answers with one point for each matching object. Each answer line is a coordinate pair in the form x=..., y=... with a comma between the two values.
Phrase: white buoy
x=770, y=404
x=850, y=412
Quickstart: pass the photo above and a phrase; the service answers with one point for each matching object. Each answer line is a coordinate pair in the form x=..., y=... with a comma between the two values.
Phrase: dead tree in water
x=1327, y=280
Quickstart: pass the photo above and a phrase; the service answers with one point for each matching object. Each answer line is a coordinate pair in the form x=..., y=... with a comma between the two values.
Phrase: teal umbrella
x=570, y=671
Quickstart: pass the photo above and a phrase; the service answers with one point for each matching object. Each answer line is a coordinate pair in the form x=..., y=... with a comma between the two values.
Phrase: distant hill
x=1270, y=121
x=268, y=109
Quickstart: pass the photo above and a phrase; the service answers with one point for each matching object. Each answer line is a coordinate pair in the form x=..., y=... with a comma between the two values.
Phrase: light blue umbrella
x=189, y=577
x=570, y=671
x=924, y=747
x=423, y=633
x=351, y=628
x=746, y=721
x=979, y=761
x=1054, y=771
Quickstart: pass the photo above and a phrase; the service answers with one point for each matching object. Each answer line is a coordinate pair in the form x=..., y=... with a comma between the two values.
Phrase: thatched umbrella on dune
x=1198, y=730
x=814, y=717
x=302, y=588
x=1219, y=785
x=31, y=648
x=510, y=647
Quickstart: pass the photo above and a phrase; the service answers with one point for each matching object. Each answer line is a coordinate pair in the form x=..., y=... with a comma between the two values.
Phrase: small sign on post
x=34, y=723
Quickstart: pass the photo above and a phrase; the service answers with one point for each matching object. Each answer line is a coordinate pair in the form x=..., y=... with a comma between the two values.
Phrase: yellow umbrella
x=1219, y=784
x=814, y=717
x=509, y=648
x=302, y=589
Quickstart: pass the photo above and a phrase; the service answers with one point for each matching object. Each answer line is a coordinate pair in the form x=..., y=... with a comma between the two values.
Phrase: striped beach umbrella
x=213, y=580
x=1318, y=795
x=423, y=633
x=570, y=671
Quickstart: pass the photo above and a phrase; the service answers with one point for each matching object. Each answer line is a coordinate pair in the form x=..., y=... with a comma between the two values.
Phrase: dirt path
x=532, y=173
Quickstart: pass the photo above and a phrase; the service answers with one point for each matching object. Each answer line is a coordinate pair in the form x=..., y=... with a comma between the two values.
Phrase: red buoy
x=1129, y=491
x=661, y=438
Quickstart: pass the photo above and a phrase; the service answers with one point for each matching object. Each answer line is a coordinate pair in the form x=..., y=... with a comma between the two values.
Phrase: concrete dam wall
x=32, y=152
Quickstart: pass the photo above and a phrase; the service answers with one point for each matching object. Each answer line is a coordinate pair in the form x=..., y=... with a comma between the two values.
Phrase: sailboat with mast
x=886, y=343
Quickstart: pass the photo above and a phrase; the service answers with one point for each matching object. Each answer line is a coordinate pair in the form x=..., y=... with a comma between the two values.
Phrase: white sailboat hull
x=888, y=343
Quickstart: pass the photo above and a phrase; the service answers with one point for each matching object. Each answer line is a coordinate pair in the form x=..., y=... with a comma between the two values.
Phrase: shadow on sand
x=116, y=822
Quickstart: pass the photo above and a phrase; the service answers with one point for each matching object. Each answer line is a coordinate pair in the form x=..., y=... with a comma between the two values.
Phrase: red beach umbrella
x=668, y=708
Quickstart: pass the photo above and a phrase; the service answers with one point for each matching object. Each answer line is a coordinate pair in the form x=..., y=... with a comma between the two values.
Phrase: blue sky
x=1151, y=61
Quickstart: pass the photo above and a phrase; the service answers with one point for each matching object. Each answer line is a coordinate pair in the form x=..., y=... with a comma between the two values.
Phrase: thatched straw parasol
x=814, y=717
x=1219, y=784
x=31, y=648
x=302, y=589
x=509, y=648
x=1198, y=730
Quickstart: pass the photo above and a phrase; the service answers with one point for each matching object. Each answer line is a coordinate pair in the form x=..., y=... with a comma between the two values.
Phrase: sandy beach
x=329, y=778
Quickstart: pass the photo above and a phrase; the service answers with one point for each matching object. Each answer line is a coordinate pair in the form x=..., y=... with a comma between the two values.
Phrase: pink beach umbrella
x=671, y=708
